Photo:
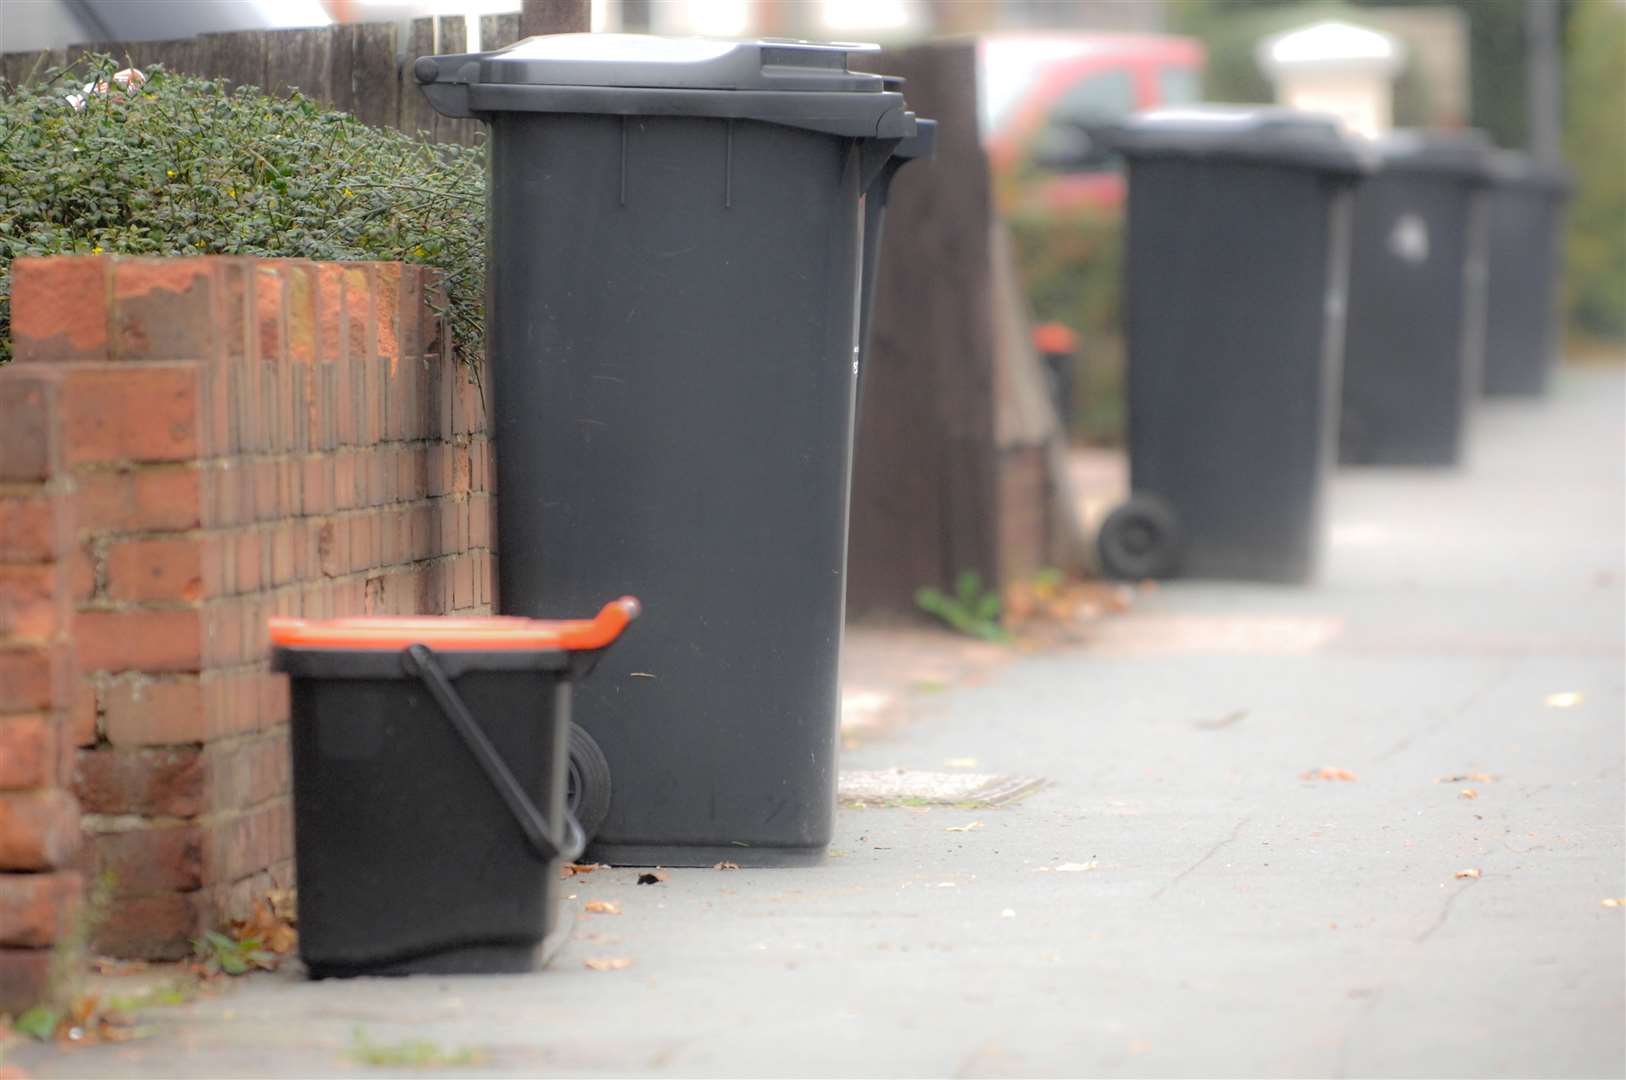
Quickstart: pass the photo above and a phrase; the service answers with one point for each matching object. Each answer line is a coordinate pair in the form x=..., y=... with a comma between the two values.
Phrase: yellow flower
x=231, y=193
x=349, y=194
x=97, y=250
x=419, y=250
x=169, y=172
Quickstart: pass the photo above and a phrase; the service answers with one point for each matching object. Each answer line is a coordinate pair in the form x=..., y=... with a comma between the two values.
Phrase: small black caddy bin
x=430, y=771
x=1236, y=270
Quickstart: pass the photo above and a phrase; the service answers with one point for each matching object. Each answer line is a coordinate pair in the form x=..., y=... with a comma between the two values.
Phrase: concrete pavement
x=1179, y=900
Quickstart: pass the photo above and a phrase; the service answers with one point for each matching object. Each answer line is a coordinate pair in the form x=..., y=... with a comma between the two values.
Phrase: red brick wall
x=241, y=438
x=39, y=820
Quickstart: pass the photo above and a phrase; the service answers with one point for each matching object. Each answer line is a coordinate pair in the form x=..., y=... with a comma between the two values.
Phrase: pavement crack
x=1362, y=1015
x=1474, y=698
x=1209, y=854
x=1445, y=910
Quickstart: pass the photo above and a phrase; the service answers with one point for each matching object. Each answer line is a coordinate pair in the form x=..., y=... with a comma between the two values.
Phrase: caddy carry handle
x=420, y=661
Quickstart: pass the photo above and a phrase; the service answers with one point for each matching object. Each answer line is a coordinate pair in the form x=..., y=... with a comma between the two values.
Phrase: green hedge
x=1071, y=269
x=1595, y=144
x=186, y=166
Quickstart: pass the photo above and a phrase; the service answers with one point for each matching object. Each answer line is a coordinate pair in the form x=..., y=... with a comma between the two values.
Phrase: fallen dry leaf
x=1565, y=699
x=964, y=828
x=1614, y=901
x=726, y=866
x=571, y=869
x=654, y=877
x=603, y=907
x=1468, y=793
x=274, y=933
x=607, y=963
x=1477, y=777
x=1472, y=872
x=1327, y=772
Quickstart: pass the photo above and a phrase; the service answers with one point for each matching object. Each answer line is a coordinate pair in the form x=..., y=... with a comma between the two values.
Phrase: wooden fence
x=361, y=68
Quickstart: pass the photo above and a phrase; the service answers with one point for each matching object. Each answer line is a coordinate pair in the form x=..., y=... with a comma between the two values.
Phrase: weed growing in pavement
x=410, y=1053
x=970, y=609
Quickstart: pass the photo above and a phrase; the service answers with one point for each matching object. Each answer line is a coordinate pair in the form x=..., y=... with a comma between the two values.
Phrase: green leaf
x=40, y=1022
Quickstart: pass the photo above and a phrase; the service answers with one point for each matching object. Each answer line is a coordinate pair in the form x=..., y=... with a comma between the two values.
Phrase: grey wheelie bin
x=1526, y=225
x=674, y=333
x=1416, y=336
x=1237, y=257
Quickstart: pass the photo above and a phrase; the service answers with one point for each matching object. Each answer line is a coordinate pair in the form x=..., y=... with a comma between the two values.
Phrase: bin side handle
x=420, y=661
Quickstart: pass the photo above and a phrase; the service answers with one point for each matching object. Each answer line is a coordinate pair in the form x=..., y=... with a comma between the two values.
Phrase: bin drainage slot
x=623, y=161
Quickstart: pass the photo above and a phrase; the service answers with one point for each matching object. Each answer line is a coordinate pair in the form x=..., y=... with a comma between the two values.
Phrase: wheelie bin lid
x=1466, y=152
x=1514, y=169
x=496, y=633
x=1261, y=134
x=794, y=83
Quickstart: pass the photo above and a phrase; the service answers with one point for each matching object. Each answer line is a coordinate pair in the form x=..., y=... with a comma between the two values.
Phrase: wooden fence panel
x=302, y=60
x=416, y=115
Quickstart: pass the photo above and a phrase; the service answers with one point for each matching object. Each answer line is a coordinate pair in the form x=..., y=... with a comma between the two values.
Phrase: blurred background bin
x=1416, y=334
x=673, y=336
x=429, y=761
x=1236, y=267
x=1526, y=228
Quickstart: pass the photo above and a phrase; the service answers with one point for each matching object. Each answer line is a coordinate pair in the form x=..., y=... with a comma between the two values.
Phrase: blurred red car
x=1041, y=94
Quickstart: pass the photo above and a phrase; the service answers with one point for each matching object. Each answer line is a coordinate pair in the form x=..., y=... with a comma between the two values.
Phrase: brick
x=224, y=631
x=329, y=311
x=246, y=576
x=150, y=781
x=361, y=541
x=36, y=678
x=34, y=526
x=184, y=569
x=30, y=441
x=80, y=568
x=38, y=909
x=358, y=312
x=155, y=712
x=274, y=703
x=282, y=554
x=316, y=486
x=410, y=317
x=156, y=927
x=247, y=773
x=163, y=309
x=164, y=859
x=154, y=498
x=25, y=976
x=27, y=752
x=39, y=830
x=301, y=298
x=138, y=640
x=59, y=308
x=269, y=311
x=249, y=842
x=480, y=521
x=147, y=412
x=81, y=718
x=232, y=306
x=33, y=601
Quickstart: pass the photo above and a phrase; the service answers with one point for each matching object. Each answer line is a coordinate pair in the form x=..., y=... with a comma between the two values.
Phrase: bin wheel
x=1140, y=539
x=587, y=793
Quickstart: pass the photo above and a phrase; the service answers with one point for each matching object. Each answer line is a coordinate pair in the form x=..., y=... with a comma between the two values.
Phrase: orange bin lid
x=493, y=633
